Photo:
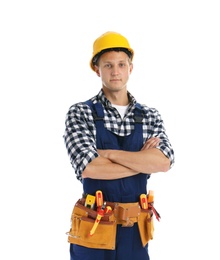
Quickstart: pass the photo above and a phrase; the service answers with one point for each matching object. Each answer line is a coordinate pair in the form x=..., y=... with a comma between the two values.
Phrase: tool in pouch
x=101, y=210
x=147, y=201
x=91, y=218
x=90, y=201
x=94, y=221
x=146, y=222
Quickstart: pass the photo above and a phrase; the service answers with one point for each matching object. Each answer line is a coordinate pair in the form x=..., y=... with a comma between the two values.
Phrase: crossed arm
x=115, y=164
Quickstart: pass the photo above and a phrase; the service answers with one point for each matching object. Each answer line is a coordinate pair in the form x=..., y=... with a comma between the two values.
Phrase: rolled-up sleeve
x=166, y=148
x=79, y=137
x=155, y=128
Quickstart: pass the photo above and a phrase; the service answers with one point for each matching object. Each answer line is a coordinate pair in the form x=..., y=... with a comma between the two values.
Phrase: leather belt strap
x=125, y=214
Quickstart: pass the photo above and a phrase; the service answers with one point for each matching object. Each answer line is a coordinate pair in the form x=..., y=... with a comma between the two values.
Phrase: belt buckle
x=128, y=223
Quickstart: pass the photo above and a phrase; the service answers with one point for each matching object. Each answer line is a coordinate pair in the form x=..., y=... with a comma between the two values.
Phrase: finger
x=151, y=143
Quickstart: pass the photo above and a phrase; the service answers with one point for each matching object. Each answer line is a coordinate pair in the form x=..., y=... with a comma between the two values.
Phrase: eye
x=122, y=64
x=108, y=65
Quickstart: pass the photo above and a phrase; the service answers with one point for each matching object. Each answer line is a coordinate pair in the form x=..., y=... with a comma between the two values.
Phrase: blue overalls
x=125, y=190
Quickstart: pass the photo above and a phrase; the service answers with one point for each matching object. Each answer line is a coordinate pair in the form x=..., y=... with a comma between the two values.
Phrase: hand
x=102, y=153
x=153, y=142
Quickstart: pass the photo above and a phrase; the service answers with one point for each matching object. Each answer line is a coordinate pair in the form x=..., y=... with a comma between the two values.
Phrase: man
x=114, y=145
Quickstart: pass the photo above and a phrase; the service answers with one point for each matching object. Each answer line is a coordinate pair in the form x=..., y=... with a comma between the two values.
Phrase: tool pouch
x=82, y=221
x=127, y=213
x=146, y=226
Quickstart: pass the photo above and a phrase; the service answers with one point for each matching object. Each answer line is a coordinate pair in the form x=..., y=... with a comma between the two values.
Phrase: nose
x=114, y=71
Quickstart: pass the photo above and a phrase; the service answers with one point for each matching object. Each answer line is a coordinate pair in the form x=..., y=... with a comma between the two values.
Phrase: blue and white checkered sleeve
x=79, y=137
x=158, y=130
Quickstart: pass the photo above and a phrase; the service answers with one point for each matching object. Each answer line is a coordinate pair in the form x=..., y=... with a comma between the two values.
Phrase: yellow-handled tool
x=143, y=201
x=98, y=218
x=150, y=196
x=101, y=211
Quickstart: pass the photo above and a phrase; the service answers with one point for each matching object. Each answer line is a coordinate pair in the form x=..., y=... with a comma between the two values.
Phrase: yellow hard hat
x=107, y=42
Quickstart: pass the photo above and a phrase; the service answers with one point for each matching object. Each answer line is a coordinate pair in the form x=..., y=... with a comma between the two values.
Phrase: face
x=114, y=69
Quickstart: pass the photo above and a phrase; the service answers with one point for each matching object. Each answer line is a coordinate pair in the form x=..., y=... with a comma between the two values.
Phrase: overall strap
x=97, y=110
x=138, y=118
x=97, y=113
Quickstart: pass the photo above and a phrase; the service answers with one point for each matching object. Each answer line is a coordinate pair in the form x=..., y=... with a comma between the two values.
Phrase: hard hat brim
x=96, y=57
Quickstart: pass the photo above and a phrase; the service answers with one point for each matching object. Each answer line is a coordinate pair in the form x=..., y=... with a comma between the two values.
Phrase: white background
x=45, y=48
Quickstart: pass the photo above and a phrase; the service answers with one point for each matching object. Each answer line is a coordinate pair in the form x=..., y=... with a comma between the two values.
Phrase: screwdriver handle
x=150, y=196
x=99, y=198
x=143, y=201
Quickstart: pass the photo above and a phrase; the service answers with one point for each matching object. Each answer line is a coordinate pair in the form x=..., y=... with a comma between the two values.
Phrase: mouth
x=115, y=80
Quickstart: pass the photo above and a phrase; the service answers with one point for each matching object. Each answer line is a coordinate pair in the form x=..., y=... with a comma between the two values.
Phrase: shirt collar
x=102, y=98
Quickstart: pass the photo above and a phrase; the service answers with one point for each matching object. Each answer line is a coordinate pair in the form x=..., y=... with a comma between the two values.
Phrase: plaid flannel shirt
x=80, y=131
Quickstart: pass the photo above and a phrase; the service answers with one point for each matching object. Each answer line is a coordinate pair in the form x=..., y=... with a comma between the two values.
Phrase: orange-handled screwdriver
x=98, y=218
x=99, y=198
x=143, y=201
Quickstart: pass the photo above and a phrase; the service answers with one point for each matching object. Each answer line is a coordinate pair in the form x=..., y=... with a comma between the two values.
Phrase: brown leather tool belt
x=125, y=214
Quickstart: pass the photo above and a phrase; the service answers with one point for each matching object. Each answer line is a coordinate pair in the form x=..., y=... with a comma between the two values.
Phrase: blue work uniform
x=125, y=190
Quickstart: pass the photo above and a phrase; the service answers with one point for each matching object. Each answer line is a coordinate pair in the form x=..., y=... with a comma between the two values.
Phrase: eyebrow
x=109, y=61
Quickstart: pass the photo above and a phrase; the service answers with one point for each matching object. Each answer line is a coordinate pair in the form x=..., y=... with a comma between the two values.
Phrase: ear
x=96, y=68
x=131, y=67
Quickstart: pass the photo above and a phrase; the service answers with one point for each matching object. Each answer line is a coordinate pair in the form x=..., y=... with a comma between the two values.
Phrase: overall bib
x=125, y=190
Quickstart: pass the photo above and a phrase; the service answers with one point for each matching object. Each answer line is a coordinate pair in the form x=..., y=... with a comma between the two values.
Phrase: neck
x=119, y=98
